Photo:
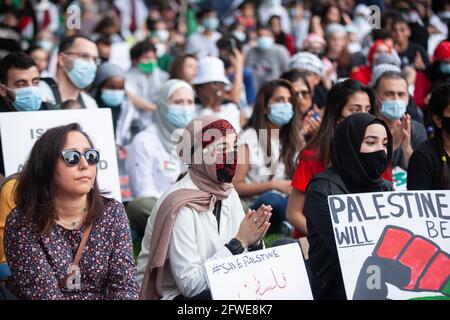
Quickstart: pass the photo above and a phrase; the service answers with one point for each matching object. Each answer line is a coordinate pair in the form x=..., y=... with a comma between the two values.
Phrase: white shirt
x=48, y=96
x=145, y=86
x=150, y=167
x=228, y=111
x=258, y=170
x=125, y=9
x=203, y=46
x=195, y=239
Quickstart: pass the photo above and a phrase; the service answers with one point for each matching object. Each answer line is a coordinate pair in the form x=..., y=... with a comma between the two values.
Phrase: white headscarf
x=164, y=128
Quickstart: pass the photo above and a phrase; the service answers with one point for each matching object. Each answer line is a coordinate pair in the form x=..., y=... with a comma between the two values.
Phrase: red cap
x=442, y=51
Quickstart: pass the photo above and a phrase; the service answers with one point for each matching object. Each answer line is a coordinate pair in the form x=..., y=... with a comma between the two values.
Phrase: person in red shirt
x=344, y=99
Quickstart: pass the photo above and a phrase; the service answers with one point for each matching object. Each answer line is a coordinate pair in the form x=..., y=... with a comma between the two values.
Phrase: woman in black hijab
x=361, y=150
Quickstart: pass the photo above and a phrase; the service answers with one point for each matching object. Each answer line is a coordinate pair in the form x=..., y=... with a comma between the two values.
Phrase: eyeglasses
x=304, y=94
x=86, y=56
x=73, y=157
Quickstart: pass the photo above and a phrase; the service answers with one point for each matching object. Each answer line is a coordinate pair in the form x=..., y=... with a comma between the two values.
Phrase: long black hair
x=36, y=186
x=337, y=98
x=289, y=133
x=439, y=101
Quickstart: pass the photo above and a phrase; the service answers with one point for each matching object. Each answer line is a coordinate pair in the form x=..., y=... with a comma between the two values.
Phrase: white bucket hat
x=210, y=69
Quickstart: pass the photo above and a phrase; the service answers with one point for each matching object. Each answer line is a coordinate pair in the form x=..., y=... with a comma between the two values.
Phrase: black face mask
x=374, y=163
x=446, y=124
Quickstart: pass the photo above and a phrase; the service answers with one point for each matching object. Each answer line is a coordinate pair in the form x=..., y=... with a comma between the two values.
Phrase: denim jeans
x=279, y=205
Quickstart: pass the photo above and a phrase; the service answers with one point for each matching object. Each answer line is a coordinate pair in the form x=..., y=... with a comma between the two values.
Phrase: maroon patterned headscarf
x=194, y=147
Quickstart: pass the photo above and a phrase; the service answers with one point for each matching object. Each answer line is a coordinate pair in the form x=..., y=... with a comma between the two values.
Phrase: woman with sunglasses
x=311, y=115
x=64, y=240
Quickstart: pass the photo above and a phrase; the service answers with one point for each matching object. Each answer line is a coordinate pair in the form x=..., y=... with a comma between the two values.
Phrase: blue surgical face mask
x=112, y=98
x=163, y=35
x=445, y=68
x=211, y=23
x=82, y=73
x=46, y=45
x=241, y=36
x=179, y=116
x=265, y=42
x=293, y=12
x=393, y=109
x=280, y=113
x=27, y=99
x=273, y=2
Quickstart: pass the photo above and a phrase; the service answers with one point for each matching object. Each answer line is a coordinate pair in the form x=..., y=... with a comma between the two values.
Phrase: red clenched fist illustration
x=407, y=261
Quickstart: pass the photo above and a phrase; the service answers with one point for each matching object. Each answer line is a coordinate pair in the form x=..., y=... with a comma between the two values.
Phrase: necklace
x=73, y=222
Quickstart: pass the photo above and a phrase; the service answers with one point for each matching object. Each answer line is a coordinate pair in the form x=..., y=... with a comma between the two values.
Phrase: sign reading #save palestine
x=20, y=130
x=276, y=273
x=393, y=245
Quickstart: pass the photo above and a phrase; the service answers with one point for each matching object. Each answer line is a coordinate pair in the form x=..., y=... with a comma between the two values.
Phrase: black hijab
x=345, y=149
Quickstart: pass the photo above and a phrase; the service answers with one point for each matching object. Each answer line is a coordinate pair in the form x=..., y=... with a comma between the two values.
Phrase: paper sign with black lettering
x=393, y=245
x=20, y=130
x=276, y=273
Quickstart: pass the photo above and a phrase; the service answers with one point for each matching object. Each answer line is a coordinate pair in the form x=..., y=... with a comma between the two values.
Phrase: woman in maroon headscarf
x=200, y=218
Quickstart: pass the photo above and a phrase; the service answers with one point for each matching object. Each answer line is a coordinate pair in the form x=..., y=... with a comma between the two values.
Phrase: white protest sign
x=393, y=245
x=276, y=273
x=20, y=130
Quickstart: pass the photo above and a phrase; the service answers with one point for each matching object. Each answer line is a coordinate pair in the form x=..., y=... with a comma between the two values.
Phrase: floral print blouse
x=107, y=265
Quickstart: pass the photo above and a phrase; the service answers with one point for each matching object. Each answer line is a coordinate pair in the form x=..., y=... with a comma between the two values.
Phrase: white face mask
x=160, y=49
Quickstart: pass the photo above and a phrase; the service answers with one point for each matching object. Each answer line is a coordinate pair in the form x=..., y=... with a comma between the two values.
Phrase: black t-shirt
x=425, y=166
x=408, y=56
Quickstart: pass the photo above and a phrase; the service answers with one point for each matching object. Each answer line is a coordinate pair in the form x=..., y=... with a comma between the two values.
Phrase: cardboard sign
x=393, y=245
x=275, y=273
x=20, y=130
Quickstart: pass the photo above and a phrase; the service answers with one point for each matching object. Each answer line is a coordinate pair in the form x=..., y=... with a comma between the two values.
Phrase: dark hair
x=176, y=67
x=204, y=11
x=273, y=17
x=390, y=75
x=225, y=43
x=36, y=188
x=289, y=133
x=381, y=34
x=151, y=23
x=263, y=27
x=439, y=101
x=106, y=22
x=17, y=60
x=104, y=40
x=69, y=41
x=400, y=20
x=293, y=75
x=34, y=48
x=141, y=48
x=436, y=75
x=336, y=99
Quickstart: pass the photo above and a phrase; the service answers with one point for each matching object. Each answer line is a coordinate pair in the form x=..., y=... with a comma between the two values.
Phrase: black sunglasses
x=73, y=157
